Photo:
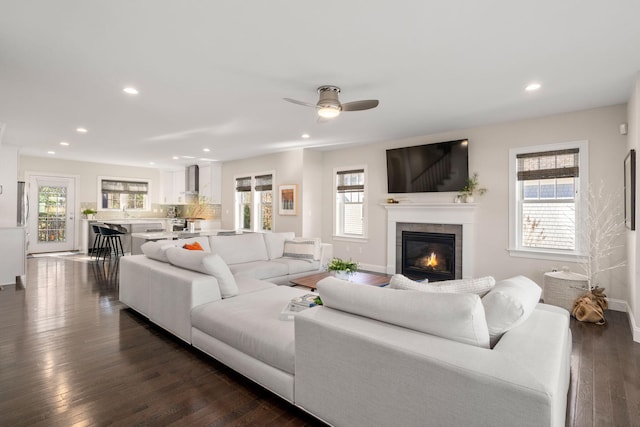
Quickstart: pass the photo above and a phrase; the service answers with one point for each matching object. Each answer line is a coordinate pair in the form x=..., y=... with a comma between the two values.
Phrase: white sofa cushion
x=240, y=248
x=275, y=243
x=458, y=317
x=259, y=269
x=509, y=304
x=156, y=250
x=206, y=263
x=251, y=324
x=479, y=286
x=297, y=266
x=303, y=248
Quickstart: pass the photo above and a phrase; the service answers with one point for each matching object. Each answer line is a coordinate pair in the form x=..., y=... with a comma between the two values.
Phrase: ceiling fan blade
x=360, y=105
x=295, y=101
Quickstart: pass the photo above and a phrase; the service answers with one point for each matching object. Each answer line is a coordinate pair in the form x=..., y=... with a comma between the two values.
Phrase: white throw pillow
x=206, y=263
x=458, y=317
x=275, y=243
x=157, y=250
x=479, y=286
x=509, y=304
x=303, y=248
x=203, y=241
x=216, y=266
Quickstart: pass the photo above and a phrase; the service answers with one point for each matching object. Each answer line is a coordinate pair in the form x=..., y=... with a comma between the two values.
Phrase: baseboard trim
x=372, y=267
x=622, y=305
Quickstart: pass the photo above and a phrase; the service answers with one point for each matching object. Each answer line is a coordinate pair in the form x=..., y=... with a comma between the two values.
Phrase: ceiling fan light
x=329, y=112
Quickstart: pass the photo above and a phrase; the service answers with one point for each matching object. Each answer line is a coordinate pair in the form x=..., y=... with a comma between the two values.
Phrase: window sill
x=546, y=255
x=341, y=238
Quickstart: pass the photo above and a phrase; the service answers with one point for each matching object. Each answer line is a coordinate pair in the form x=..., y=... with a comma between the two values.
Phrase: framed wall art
x=630, y=190
x=288, y=199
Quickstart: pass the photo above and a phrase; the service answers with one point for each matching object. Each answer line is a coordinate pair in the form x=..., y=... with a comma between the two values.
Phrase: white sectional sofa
x=371, y=356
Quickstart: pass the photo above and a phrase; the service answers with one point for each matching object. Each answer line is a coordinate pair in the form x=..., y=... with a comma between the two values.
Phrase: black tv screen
x=443, y=166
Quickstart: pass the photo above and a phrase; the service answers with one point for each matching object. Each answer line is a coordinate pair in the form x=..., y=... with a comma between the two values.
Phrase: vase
x=468, y=199
x=342, y=275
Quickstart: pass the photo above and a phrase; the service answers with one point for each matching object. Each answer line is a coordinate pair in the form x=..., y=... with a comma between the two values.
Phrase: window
x=350, y=203
x=264, y=196
x=123, y=194
x=547, y=187
x=254, y=207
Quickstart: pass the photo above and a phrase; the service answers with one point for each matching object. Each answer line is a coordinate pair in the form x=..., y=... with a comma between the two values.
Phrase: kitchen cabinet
x=173, y=186
x=12, y=254
x=211, y=182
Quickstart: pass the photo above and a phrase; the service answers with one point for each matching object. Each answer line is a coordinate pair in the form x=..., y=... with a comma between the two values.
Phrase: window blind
x=548, y=164
x=243, y=184
x=264, y=183
x=350, y=181
x=125, y=187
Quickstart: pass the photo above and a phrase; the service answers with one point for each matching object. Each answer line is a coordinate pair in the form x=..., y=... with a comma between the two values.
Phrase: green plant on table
x=338, y=264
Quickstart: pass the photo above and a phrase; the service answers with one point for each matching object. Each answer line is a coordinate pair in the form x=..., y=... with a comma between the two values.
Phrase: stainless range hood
x=191, y=180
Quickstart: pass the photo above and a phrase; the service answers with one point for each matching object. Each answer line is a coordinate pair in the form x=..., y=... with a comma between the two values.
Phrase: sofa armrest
x=165, y=293
x=388, y=375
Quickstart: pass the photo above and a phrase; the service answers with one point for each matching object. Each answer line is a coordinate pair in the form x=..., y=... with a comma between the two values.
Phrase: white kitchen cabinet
x=12, y=254
x=173, y=187
x=211, y=182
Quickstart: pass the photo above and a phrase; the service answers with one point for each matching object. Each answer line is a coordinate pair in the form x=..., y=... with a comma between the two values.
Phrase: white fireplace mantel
x=432, y=213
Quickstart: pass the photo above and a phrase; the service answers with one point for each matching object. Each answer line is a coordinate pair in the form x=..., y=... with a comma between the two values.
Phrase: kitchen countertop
x=161, y=235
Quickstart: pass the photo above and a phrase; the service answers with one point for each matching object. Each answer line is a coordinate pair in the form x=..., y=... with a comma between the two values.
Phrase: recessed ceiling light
x=175, y=157
x=51, y=152
x=151, y=163
x=65, y=143
x=206, y=150
x=531, y=87
x=305, y=136
x=81, y=130
x=130, y=90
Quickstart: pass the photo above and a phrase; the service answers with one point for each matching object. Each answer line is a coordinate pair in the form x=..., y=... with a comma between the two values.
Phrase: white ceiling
x=212, y=74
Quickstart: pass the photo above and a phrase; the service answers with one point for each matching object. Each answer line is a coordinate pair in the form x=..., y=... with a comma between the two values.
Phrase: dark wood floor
x=72, y=354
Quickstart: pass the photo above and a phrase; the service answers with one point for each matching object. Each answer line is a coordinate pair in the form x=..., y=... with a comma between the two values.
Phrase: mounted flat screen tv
x=443, y=166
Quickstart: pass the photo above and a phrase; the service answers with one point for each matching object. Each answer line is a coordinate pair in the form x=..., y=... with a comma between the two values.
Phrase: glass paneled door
x=52, y=218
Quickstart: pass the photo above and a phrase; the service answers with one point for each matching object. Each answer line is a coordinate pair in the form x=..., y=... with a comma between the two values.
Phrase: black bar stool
x=111, y=233
x=98, y=241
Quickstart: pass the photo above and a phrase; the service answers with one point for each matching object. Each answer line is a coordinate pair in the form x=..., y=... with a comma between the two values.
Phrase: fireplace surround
x=432, y=217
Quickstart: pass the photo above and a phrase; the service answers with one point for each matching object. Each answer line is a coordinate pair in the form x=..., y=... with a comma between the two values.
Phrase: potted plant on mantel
x=472, y=187
x=342, y=268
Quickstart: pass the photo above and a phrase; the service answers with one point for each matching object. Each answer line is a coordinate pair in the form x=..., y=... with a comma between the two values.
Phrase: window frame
x=147, y=203
x=256, y=203
x=337, y=232
x=515, y=248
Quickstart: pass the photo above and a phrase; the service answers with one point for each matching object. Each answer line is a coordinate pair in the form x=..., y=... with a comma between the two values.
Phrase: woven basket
x=562, y=288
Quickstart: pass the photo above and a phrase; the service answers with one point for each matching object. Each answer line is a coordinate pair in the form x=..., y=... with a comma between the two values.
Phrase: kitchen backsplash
x=213, y=212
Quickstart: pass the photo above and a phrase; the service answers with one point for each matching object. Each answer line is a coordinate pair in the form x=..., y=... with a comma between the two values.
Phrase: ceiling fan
x=329, y=106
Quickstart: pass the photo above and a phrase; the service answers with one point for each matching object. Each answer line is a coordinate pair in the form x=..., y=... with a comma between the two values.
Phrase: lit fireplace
x=428, y=255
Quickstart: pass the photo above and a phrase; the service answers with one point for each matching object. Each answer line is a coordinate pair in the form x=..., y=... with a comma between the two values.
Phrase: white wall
x=9, y=183
x=488, y=155
x=300, y=167
x=287, y=167
x=633, y=242
x=88, y=172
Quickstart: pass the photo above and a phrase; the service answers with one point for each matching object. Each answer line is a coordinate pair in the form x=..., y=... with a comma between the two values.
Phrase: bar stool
x=98, y=241
x=111, y=234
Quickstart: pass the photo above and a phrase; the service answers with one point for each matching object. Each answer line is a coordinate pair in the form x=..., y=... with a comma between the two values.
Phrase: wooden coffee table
x=358, y=277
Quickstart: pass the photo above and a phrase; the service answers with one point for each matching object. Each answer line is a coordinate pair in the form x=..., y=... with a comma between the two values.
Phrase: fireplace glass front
x=428, y=255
